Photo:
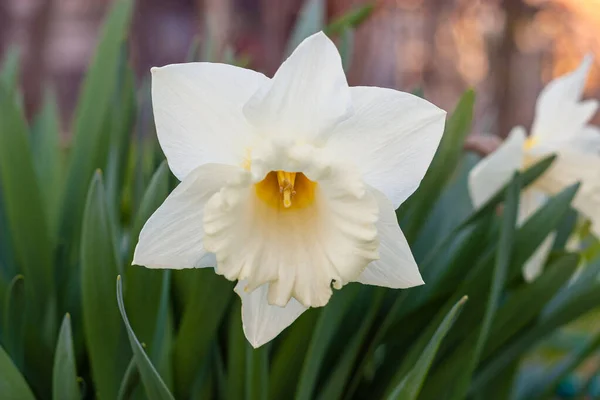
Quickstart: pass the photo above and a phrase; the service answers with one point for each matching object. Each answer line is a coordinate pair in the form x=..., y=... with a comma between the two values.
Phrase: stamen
x=530, y=142
x=286, y=182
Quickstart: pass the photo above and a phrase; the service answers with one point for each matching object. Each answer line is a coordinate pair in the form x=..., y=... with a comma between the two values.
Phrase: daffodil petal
x=300, y=252
x=571, y=166
x=391, y=137
x=495, y=170
x=173, y=236
x=588, y=140
x=396, y=267
x=559, y=113
x=307, y=96
x=198, y=113
x=261, y=321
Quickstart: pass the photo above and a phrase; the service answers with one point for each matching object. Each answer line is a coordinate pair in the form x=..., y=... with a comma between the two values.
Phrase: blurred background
x=506, y=50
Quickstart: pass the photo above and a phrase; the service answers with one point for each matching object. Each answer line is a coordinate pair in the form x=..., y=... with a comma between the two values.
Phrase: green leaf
x=24, y=208
x=311, y=20
x=512, y=316
x=327, y=325
x=577, y=299
x=527, y=239
x=334, y=388
x=257, y=373
x=544, y=221
x=29, y=240
x=155, y=194
x=14, y=320
x=91, y=138
x=529, y=176
x=104, y=334
x=207, y=298
x=289, y=355
x=193, y=53
x=503, y=257
x=236, y=353
x=349, y=20
x=442, y=167
x=153, y=384
x=547, y=387
x=122, y=117
x=47, y=158
x=12, y=383
x=64, y=373
x=160, y=350
x=410, y=385
x=347, y=48
x=9, y=75
x=501, y=388
x=130, y=381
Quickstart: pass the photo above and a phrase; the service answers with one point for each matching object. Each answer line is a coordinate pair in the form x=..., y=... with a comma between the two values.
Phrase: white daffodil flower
x=560, y=126
x=288, y=185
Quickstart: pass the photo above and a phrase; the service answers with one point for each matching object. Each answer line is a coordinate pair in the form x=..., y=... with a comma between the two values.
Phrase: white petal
x=588, y=140
x=560, y=114
x=307, y=96
x=262, y=322
x=173, y=236
x=396, y=267
x=198, y=113
x=496, y=169
x=392, y=137
x=571, y=166
x=298, y=251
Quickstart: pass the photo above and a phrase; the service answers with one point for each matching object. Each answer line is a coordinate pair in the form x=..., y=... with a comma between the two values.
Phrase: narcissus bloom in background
x=560, y=126
x=288, y=185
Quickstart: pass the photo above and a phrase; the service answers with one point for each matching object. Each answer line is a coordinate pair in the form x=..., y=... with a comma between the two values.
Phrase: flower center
x=530, y=142
x=286, y=190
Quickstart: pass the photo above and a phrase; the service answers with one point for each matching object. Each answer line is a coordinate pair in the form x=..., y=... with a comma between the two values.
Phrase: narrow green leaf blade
x=47, y=158
x=442, y=167
x=103, y=331
x=23, y=204
x=14, y=320
x=503, y=257
x=153, y=383
x=347, y=48
x=90, y=136
x=288, y=357
x=334, y=388
x=410, y=385
x=546, y=388
x=130, y=381
x=9, y=75
x=29, y=238
x=324, y=331
x=527, y=177
x=257, y=373
x=236, y=353
x=350, y=20
x=207, y=297
x=12, y=383
x=64, y=373
x=311, y=20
